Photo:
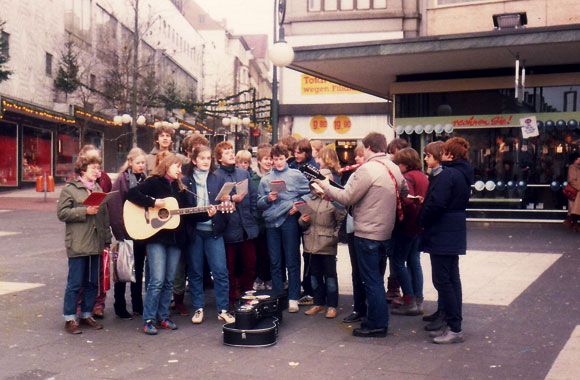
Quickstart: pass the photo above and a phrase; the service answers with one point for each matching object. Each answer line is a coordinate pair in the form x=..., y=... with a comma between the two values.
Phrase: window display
x=36, y=153
x=67, y=147
x=8, y=158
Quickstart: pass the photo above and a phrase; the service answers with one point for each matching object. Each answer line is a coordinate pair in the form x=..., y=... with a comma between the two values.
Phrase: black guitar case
x=257, y=304
x=264, y=334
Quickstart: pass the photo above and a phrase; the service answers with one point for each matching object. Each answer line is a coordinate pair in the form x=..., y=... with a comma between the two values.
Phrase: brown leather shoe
x=90, y=323
x=98, y=313
x=72, y=327
x=315, y=310
x=331, y=312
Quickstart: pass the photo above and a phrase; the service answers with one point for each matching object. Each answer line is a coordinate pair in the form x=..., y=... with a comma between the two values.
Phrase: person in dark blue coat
x=242, y=226
x=443, y=218
x=205, y=237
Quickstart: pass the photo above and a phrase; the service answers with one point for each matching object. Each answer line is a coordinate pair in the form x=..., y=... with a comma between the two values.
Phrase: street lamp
x=281, y=54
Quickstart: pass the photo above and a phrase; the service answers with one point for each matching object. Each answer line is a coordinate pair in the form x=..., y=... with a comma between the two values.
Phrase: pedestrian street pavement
x=521, y=320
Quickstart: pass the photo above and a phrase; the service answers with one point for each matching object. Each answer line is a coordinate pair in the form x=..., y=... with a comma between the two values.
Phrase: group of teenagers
x=390, y=207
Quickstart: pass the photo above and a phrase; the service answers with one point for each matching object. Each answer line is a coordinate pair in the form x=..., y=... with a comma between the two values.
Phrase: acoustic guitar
x=144, y=222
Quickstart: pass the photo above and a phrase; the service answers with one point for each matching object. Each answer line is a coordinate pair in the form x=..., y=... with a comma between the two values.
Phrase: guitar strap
x=400, y=215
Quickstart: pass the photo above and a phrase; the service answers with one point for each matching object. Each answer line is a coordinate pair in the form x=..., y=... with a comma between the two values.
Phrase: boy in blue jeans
x=279, y=213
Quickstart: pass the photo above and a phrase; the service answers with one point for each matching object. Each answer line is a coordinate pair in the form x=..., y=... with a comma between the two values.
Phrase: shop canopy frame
x=373, y=67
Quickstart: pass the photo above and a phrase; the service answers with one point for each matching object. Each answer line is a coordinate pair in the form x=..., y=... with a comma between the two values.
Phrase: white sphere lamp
x=281, y=54
x=246, y=121
x=226, y=121
x=126, y=118
x=141, y=120
x=118, y=120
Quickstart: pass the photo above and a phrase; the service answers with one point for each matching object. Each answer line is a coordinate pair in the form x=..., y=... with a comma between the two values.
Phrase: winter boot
x=408, y=308
x=179, y=305
x=393, y=288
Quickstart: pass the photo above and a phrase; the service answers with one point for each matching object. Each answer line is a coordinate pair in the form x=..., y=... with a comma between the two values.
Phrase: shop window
x=8, y=158
x=67, y=148
x=36, y=153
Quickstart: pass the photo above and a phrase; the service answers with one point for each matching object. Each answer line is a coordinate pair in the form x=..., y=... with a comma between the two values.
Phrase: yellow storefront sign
x=318, y=124
x=310, y=85
x=342, y=124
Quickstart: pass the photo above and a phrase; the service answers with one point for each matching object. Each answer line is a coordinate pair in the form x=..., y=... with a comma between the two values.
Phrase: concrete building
x=235, y=75
x=41, y=127
x=458, y=78
x=332, y=111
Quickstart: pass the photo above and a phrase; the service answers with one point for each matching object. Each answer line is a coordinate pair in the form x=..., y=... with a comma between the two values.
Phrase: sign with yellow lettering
x=342, y=124
x=315, y=86
x=318, y=124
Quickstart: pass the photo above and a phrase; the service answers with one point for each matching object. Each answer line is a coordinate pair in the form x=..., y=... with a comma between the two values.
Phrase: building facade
x=236, y=80
x=327, y=108
x=479, y=70
x=42, y=126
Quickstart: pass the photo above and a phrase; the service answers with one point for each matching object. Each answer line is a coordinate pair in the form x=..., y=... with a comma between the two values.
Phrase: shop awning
x=372, y=67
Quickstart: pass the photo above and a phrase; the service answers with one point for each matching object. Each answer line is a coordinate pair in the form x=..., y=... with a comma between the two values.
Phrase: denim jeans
x=358, y=288
x=445, y=274
x=162, y=262
x=285, y=240
x=407, y=265
x=213, y=249
x=370, y=255
x=324, y=280
x=83, y=272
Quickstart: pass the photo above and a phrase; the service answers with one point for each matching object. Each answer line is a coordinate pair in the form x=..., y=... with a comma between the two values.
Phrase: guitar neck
x=190, y=210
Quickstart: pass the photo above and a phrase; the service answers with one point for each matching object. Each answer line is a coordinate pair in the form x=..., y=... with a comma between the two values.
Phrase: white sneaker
x=197, y=316
x=293, y=306
x=226, y=317
x=268, y=285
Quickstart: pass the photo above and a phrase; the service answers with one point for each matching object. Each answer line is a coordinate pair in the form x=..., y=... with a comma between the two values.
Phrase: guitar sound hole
x=163, y=213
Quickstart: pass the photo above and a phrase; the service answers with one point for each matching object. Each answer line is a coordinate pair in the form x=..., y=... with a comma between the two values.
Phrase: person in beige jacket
x=320, y=234
x=574, y=181
x=372, y=193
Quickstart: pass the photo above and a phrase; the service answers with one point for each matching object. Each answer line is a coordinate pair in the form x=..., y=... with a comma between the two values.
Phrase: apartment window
x=92, y=81
x=447, y=2
x=379, y=4
x=346, y=5
x=314, y=5
x=5, y=44
x=330, y=5
x=77, y=16
x=363, y=4
x=48, y=64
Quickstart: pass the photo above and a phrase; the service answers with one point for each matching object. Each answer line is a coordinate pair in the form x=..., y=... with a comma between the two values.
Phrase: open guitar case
x=258, y=317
